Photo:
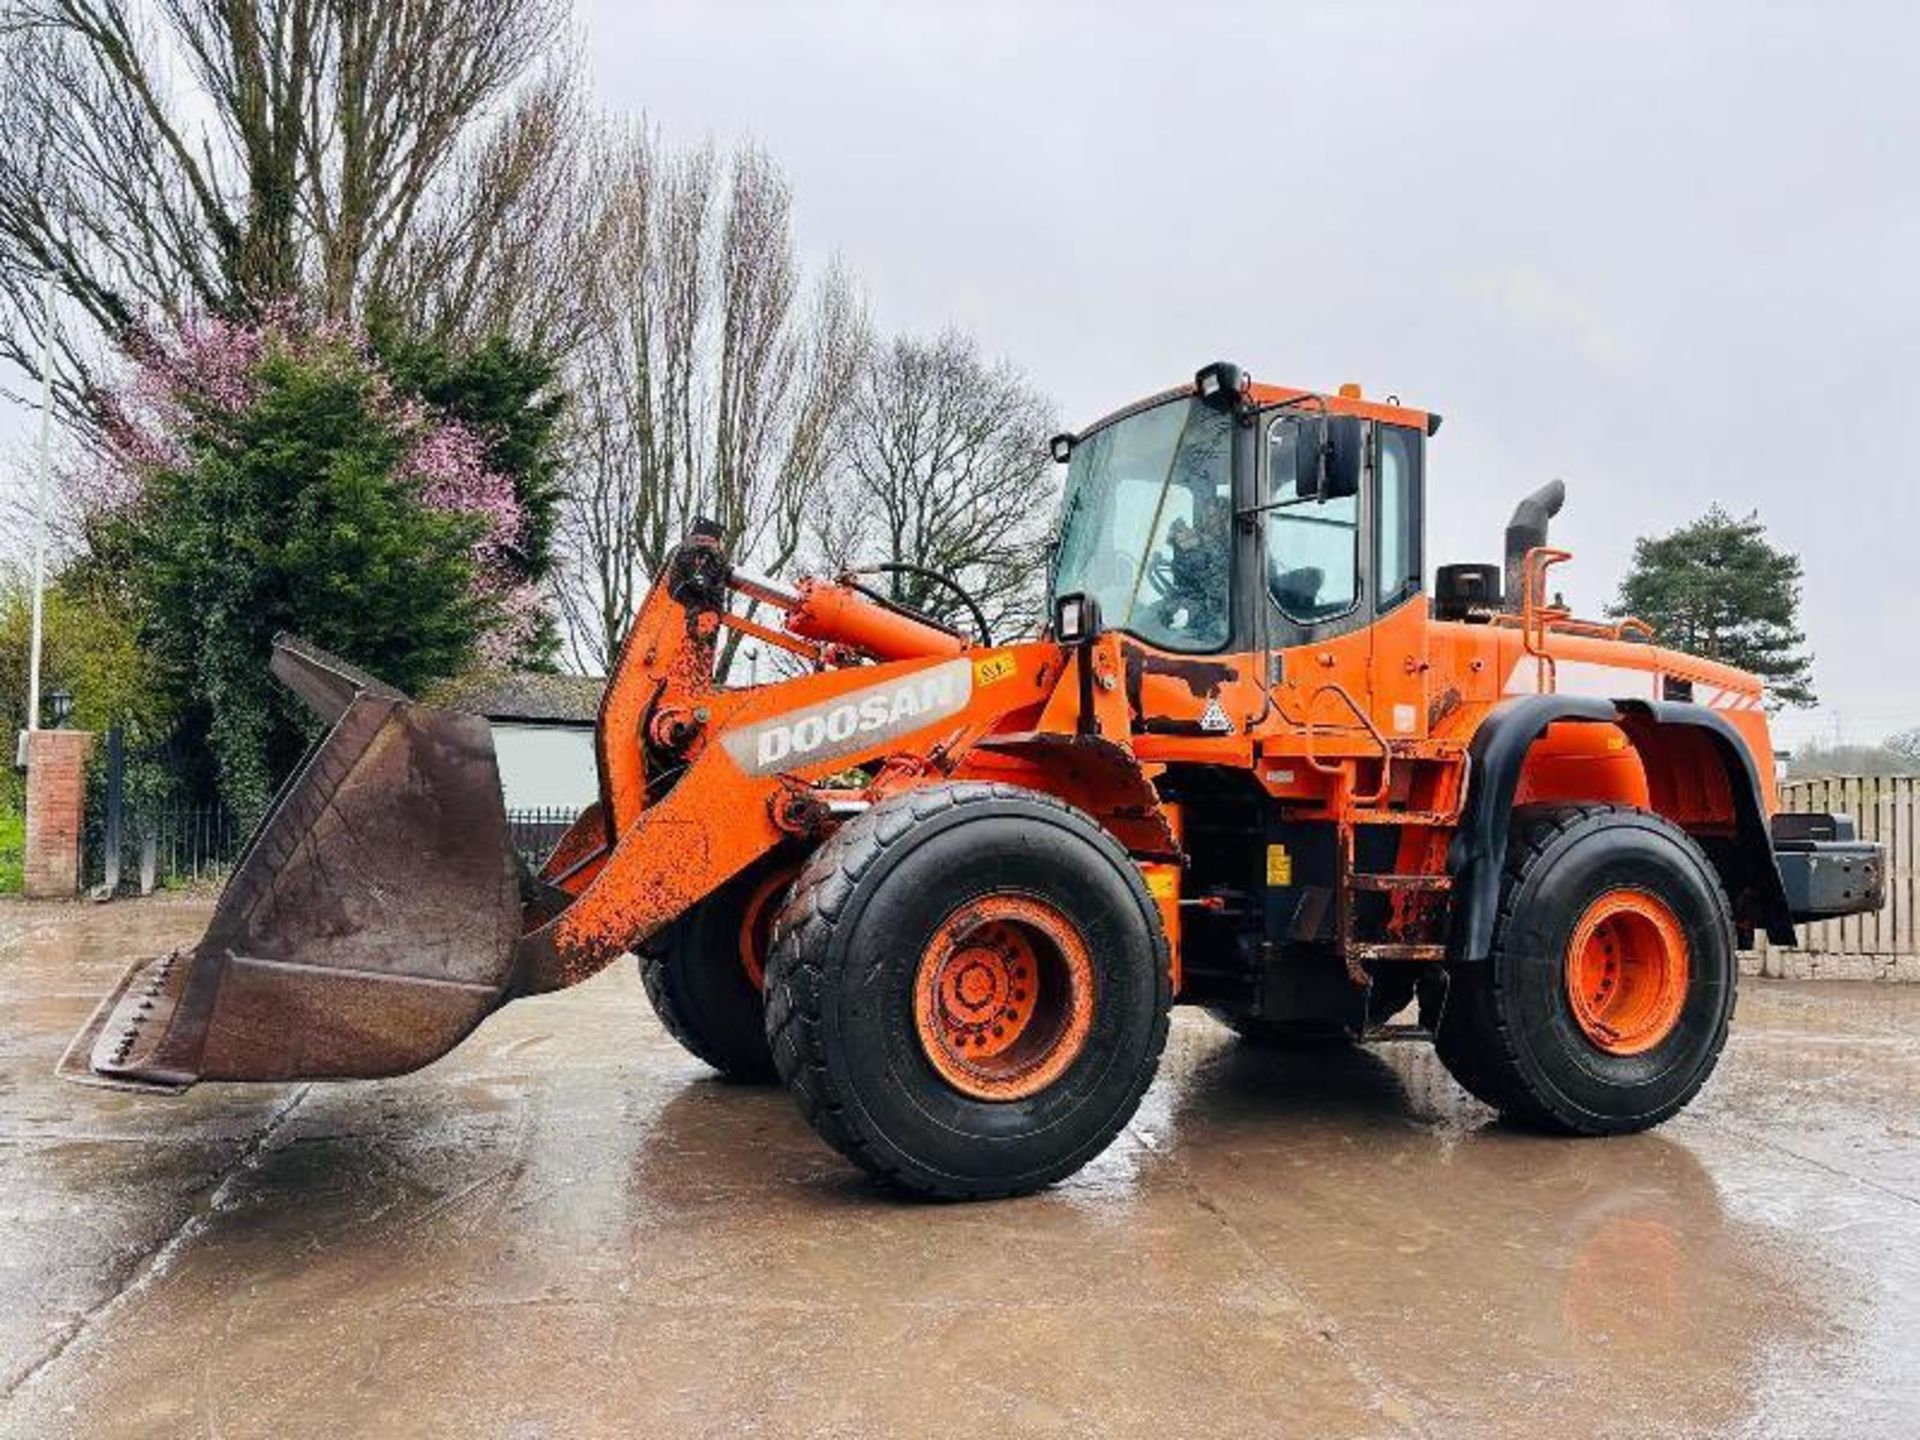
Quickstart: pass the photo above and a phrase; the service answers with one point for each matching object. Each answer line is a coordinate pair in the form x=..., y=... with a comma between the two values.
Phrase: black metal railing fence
x=161, y=847
x=535, y=832
x=170, y=846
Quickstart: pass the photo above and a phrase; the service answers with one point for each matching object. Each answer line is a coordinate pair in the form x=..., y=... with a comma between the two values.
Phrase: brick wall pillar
x=56, y=811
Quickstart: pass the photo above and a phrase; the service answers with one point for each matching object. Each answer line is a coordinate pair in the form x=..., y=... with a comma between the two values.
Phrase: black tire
x=841, y=987
x=1508, y=1032
x=701, y=991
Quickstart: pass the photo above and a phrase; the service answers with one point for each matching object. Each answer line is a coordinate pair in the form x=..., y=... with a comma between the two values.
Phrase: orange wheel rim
x=756, y=923
x=1003, y=998
x=1627, y=969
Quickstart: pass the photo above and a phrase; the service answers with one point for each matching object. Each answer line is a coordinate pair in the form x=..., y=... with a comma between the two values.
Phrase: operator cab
x=1167, y=502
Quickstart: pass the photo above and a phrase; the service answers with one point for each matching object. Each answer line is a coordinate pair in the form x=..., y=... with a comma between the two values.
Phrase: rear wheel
x=1605, y=1001
x=704, y=974
x=968, y=990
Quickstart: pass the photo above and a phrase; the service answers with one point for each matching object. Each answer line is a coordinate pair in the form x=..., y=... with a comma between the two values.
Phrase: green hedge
x=13, y=851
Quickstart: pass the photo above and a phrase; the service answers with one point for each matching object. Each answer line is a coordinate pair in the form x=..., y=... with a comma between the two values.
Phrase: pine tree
x=1718, y=589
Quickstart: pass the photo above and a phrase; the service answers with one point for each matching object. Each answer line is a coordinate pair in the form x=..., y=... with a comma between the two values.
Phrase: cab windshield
x=1146, y=527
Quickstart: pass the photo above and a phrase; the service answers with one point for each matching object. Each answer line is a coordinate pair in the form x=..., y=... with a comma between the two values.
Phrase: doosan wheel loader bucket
x=368, y=926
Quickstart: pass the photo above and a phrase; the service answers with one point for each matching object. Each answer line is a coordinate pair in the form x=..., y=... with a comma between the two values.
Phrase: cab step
x=1430, y=818
x=1402, y=884
x=1382, y=1033
x=1367, y=950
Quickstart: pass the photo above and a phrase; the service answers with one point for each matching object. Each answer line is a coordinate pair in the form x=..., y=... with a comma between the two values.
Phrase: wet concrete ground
x=569, y=1228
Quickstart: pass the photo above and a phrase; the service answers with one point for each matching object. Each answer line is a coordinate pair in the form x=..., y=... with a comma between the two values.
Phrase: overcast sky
x=1668, y=253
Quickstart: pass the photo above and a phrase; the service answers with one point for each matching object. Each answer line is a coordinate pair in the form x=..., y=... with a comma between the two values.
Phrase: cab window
x=1147, y=526
x=1396, y=541
x=1313, y=545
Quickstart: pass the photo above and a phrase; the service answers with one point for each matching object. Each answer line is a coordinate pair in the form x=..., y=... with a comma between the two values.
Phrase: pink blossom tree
x=187, y=382
x=273, y=475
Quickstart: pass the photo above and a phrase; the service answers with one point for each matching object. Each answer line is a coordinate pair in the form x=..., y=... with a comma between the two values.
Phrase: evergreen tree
x=508, y=395
x=273, y=477
x=1718, y=589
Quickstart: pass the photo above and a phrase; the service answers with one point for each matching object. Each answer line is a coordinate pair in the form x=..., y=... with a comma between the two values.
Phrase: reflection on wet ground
x=568, y=1226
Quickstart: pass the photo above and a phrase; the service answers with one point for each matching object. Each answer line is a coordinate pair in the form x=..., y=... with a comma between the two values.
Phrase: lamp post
x=59, y=707
x=40, y=513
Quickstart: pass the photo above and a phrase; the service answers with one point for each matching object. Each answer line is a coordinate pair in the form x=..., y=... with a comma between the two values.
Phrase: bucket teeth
x=139, y=1021
x=118, y=1047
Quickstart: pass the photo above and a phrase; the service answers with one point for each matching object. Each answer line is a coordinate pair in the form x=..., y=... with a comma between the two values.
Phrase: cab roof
x=1347, y=400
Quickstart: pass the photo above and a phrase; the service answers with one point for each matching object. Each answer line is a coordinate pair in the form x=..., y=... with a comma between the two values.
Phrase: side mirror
x=1310, y=457
x=1328, y=457
x=1344, y=453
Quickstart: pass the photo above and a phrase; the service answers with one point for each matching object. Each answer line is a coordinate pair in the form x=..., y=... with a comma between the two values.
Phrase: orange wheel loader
x=947, y=889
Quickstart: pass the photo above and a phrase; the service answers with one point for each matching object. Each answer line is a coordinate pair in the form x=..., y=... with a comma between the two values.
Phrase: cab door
x=1311, y=547
x=1341, y=578
x=1310, y=580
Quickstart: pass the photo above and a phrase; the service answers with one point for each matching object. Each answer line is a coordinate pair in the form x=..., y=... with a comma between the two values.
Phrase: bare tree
x=945, y=468
x=306, y=148
x=507, y=247
x=713, y=383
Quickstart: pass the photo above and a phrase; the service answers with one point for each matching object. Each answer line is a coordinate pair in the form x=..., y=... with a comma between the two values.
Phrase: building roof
x=533, y=696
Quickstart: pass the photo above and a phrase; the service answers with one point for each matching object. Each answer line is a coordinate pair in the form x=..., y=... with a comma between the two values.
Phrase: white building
x=542, y=734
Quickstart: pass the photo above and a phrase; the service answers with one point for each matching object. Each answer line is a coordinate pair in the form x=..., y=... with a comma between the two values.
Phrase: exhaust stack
x=1527, y=530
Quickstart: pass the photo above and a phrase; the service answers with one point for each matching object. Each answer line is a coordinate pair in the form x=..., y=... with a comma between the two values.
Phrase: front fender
x=717, y=815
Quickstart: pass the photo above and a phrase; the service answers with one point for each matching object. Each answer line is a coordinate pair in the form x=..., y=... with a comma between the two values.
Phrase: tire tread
x=661, y=977
x=803, y=934
x=1475, y=1038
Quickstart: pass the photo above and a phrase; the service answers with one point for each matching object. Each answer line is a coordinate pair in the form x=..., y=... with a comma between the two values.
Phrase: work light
x=1076, y=619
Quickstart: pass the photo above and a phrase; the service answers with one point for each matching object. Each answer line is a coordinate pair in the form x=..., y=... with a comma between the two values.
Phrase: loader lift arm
x=379, y=912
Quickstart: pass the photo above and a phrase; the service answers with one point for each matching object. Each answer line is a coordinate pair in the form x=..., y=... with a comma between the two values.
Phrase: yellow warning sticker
x=1163, y=881
x=993, y=669
x=1279, y=865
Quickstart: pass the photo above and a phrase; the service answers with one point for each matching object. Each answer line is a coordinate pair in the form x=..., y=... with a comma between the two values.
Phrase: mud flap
x=368, y=926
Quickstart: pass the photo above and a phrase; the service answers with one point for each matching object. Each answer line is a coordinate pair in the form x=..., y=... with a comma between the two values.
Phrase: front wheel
x=968, y=990
x=1604, y=1003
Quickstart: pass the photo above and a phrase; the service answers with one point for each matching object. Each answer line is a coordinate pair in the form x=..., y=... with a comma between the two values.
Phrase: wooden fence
x=1881, y=946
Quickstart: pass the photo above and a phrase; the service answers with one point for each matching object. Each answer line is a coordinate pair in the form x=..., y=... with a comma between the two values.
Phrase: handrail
x=1537, y=619
x=1561, y=623
x=1309, y=730
x=1536, y=616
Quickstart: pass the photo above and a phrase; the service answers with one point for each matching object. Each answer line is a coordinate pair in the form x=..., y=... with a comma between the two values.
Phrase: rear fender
x=1676, y=740
x=1673, y=739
